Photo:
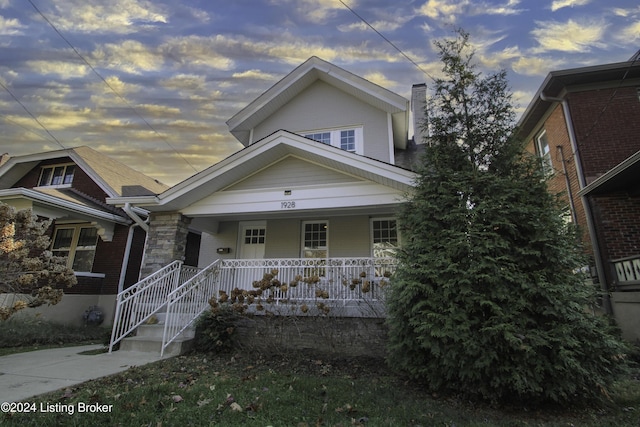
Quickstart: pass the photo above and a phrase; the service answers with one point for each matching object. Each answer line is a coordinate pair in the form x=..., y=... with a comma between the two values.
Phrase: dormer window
x=56, y=175
x=346, y=139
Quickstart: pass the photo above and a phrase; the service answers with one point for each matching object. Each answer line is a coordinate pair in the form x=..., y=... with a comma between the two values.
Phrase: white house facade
x=316, y=186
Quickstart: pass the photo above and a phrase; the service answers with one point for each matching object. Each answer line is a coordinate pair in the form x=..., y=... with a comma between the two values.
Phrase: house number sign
x=287, y=205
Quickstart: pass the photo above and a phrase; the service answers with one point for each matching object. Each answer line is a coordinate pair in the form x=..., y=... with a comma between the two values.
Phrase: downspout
x=606, y=301
x=125, y=258
x=138, y=221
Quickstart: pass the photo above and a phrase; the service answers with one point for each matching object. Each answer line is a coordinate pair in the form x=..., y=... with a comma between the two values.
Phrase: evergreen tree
x=30, y=275
x=487, y=300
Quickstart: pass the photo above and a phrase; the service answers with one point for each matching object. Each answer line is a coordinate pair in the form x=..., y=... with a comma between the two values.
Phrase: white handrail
x=188, y=301
x=136, y=304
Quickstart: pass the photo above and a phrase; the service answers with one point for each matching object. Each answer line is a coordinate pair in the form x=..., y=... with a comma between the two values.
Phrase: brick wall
x=607, y=127
x=560, y=147
x=342, y=337
x=618, y=219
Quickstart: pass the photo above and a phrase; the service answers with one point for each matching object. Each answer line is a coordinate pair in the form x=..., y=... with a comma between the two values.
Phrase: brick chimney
x=418, y=108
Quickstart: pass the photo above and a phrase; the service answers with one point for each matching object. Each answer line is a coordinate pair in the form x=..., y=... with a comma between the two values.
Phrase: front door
x=252, y=240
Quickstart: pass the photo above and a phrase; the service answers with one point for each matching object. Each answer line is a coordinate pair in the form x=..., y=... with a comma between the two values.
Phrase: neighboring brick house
x=103, y=245
x=584, y=123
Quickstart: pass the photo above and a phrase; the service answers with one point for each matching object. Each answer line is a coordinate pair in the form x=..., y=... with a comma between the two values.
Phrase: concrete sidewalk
x=24, y=375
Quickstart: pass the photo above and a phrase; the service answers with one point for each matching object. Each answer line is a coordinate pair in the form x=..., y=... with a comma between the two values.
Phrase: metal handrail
x=188, y=301
x=136, y=304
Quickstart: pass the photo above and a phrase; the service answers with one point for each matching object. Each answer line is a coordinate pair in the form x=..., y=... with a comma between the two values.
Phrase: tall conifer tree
x=487, y=301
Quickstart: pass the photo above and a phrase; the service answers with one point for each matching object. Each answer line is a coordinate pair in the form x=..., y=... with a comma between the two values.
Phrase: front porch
x=177, y=294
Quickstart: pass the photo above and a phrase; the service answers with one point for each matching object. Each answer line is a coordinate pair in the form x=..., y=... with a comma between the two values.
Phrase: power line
x=386, y=39
x=110, y=86
x=32, y=116
x=4, y=116
x=634, y=59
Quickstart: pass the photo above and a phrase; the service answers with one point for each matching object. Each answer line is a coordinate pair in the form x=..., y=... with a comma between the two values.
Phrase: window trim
x=73, y=247
x=52, y=168
x=336, y=136
x=303, y=239
x=371, y=228
x=545, y=158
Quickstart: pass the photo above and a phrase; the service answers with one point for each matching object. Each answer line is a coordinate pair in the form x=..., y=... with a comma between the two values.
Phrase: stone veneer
x=166, y=241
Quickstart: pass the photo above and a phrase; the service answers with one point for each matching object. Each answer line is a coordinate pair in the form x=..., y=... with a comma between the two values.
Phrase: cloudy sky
x=151, y=83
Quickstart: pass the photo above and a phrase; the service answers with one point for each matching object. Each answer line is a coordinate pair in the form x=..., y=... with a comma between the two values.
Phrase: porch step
x=149, y=340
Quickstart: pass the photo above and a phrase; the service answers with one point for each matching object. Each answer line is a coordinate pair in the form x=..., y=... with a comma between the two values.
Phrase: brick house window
x=56, y=175
x=77, y=243
x=542, y=146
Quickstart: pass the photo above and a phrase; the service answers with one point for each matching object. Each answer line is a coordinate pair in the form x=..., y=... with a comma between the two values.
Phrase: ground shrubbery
x=214, y=329
x=30, y=332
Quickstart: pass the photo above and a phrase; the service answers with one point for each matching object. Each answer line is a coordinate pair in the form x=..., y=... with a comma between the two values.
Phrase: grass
x=300, y=390
x=294, y=390
x=20, y=335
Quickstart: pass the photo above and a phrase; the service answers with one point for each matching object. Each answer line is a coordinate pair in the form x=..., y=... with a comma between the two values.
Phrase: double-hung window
x=542, y=145
x=78, y=244
x=385, y=237
x=346, y=139
x=56, y=175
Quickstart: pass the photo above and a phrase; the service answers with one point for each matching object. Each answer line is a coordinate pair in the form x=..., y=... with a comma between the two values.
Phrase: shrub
x=214, y=329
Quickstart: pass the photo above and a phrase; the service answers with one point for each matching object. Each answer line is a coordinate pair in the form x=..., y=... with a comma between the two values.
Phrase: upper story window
x=56, y=175
x=346, y=139
x=542, y=145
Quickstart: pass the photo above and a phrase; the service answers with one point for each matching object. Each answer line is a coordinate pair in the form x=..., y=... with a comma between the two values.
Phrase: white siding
x=322, y=106
x=227, y=237
x=292, y=172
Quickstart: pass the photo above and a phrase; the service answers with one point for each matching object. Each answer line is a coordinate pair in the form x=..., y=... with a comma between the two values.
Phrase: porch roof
x=262, y=154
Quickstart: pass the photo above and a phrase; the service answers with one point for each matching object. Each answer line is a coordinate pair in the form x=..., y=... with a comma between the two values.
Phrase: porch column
x=166, y=241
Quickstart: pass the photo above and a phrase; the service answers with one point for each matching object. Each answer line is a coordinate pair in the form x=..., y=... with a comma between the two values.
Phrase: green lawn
x=293, y=390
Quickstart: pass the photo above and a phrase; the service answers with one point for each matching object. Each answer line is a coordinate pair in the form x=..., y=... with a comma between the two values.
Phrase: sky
x=152, y=83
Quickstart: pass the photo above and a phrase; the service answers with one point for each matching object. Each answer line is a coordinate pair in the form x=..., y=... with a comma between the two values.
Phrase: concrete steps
x=148, y=339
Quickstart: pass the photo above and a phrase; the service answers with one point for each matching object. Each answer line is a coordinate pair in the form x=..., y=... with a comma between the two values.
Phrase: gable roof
x=262, y=154
x=241, y=124
x=115, y=178
x=556, y=83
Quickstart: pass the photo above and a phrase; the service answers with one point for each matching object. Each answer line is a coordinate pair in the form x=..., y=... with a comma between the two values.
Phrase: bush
x=214, y=329
x=33, y=332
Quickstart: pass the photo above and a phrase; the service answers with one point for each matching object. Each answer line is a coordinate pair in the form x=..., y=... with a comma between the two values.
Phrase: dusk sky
x=152, y=83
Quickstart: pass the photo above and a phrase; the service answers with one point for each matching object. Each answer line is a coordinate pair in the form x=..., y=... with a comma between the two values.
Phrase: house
x=583, y=124
x=313, y=193
x=103, y=244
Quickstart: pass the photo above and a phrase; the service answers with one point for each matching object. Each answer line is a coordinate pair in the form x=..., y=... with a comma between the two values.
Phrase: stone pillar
x=166, y=241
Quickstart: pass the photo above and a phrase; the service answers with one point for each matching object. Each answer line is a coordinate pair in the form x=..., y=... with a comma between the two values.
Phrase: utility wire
x=386, y=39
x=110, y=86
x=4, y=116
x=634, y=59
x=32, y=116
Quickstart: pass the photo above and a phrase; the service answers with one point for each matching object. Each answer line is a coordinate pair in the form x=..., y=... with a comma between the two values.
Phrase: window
x=78, y=244
x=315, y=239
x=254, y=236
x=324, y=137
x=346, y=139
x=56, y=175
x=544, y=152
x=385, y=237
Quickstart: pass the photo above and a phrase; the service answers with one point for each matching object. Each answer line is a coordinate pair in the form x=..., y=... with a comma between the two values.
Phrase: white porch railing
x=627, y=270
x=135, y=305
x=335, y=281
x=188, y=301
x=357, y=284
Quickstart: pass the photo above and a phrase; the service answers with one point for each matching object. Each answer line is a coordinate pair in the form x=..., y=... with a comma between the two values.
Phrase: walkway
x=24, y=375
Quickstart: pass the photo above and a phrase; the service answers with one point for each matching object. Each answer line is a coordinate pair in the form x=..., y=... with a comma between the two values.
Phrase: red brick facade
x=606, y=124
